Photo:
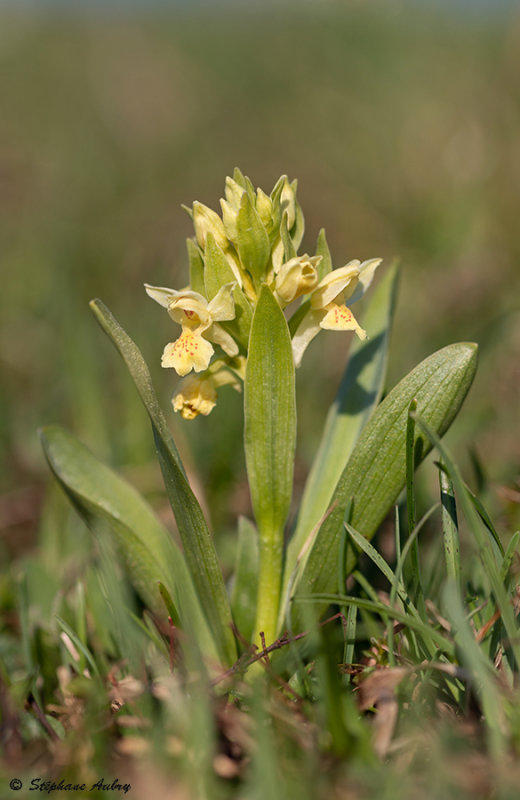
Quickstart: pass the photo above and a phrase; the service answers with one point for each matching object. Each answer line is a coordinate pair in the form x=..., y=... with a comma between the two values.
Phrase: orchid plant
x=252, y=307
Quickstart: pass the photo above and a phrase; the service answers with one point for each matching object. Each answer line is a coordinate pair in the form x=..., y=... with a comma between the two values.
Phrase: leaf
x=199, y=549
x=218, y=272
x=376, y=472
x=196, y=267
x=270, y=439
x=288, y=246
x=245, y=578
x=322, y=249
x=357, y=396
x=253, y=243
x=108, y=503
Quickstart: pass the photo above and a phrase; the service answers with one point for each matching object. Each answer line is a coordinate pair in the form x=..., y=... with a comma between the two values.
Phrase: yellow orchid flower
x=200, y=326
x=198, y=395
x=296, y=277
x=330, y=303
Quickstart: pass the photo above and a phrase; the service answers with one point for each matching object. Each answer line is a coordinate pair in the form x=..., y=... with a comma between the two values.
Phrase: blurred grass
x=401, y=125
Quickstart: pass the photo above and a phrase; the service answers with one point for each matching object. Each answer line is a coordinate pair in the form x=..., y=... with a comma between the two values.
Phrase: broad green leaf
x=108, y=503
x=376, y=472
x=196, y=267
x=217, y=273
x=253, y=243
x=358, y=394
x=269, y=440
x=245, y=578
x=199, y=549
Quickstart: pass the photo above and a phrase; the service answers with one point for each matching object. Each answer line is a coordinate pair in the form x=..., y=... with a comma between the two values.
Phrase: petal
x=338, y=281
x=308, y=328
x=366, y=275
x=222, y=307
x=341, y=318
x=160, y=294
x=190, y=351
x=218, y=335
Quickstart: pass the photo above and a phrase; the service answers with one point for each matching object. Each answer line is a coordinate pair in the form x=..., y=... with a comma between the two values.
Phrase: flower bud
x=296, y=277
x=207, y=221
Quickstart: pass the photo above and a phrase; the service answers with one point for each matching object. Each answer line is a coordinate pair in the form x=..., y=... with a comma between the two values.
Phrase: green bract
x=252, y=307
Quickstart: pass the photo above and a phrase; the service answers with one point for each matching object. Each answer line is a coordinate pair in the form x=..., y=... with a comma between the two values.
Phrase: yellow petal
x=218, y=335
x=308, y=328
x=340, y=281
x=190, y=351
x=341, y=318
x=161, y=294
x=222, y=307
x=366, y=275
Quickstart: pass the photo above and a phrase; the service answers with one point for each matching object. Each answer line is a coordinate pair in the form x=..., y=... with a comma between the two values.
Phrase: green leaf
x=269, y=440
x=484, y=676
x=322, y=249
x=253, y=243
x=245, y=578
x=358, y=394
x=238, y=177
x=196, y=267
x=109, y=504
x=298, y=229
x=376, y=472
x=218, y=272
x=288, y=246
x=490, y=555
x=78, y=644
x=199, y=549
x=385, y=612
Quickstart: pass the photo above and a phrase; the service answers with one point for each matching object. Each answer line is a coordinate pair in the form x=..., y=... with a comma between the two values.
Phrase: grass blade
x=450, y=527
x=483, y=541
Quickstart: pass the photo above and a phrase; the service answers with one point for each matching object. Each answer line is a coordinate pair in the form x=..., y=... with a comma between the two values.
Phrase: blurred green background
x=401, y=123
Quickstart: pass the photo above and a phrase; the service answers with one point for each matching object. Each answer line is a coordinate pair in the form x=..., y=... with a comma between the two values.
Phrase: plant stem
x=269, y=585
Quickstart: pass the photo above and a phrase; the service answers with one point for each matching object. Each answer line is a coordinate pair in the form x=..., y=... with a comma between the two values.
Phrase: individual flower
x=195, y=396
x=296, y=277
x=330, y=303
x=200, y=326
x=198, y=394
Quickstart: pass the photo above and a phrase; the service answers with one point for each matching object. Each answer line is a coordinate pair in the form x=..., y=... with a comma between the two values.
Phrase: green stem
x=269, y=586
